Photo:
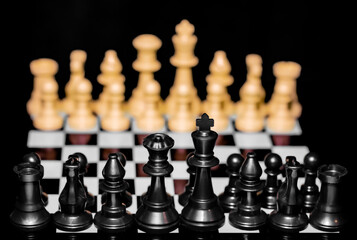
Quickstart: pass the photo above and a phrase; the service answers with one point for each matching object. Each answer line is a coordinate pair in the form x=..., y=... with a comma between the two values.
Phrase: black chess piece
x=273, y=164
x=34, y=158
x=113, y=217
x=202, y=212
x=309, y=190
x=72, y=215
x=329, y=213
x=288, y=217
x=249, y=215
x=183, y=197
x=230, y=197
x=126, y=196
x=83, y=169
x=157, y=214
x=30, y=214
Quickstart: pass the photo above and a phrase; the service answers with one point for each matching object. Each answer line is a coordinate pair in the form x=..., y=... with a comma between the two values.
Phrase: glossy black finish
x=289, y=216
x=183, y=197
x=273, y=164
x=157, y=214
x=35, y=159
x=113, y=217
x=29, y=214
x=329, y=214
x=83, y=168
x=249, y=214
x=72, y=215
x=309, y=190
x=126, y=196
x=202, y=212
x=230, y=197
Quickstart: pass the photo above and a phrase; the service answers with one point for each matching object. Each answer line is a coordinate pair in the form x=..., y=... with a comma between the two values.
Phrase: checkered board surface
x=54, y=147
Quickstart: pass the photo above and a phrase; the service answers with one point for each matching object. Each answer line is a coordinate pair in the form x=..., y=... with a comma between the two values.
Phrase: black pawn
x=289, y=216
x=113, y=217
x=202, y=212
x=157, y=214
x=329, y=213
x=72, y=215
x=273, y=164
x=309, y=190
x=34, y=158
x=126, y=196
x=30, y=214
x=183, y=197
x=230, y=197
x=83, y=169
x=249, y=215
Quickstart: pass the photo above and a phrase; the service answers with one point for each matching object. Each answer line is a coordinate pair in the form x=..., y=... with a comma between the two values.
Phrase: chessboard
x=54, y=148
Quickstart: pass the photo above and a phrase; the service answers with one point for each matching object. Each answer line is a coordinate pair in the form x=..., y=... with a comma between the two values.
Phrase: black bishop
x=113, y=217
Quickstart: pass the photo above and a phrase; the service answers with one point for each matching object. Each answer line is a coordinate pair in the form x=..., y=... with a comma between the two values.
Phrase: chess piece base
x=247, y=222
x=154, y=222
x=329, y=222
x=30, y=221
x=196, y=219
x=287, y=223
x=84, y=123
x=113, y=225
x=228, y=202
x=48, y=124
x=68, y=222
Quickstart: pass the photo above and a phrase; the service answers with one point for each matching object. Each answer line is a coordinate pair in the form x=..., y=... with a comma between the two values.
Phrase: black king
x=202, y=212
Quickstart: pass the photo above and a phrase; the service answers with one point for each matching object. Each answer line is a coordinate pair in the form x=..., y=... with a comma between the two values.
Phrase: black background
x=318, y=36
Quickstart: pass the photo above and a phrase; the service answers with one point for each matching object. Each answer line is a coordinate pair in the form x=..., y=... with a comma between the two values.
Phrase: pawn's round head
x=83, y=162
x=32, y=158
x=311, y=161
x=273, y=161
x=234, y=162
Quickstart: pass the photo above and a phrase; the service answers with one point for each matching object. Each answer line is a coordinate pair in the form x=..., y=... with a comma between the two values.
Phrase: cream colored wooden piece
x=183, y=119
x=111, y=69
x=254, y=72
x=48, y=117
x=281, y=119
x=286, y=73
x=115, y=118
x=214, y=106
x=42, y=69
x=146, y=64
x=151, y=119
x=184, y=60
x=82, y=118
x=220, y=69
x=77, y=62
x=251, y=117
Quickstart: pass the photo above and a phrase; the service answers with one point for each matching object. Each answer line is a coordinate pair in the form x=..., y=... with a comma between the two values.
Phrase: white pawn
x=183, y=119
x=215, y=106
x=251, y=117
x=254, y=73
x=146, y=64
x=286, y=73
x=151, y=119
x=48, y=118
x=82, y=118
x=114, y=119
x=42, y=69
x=281, y=119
